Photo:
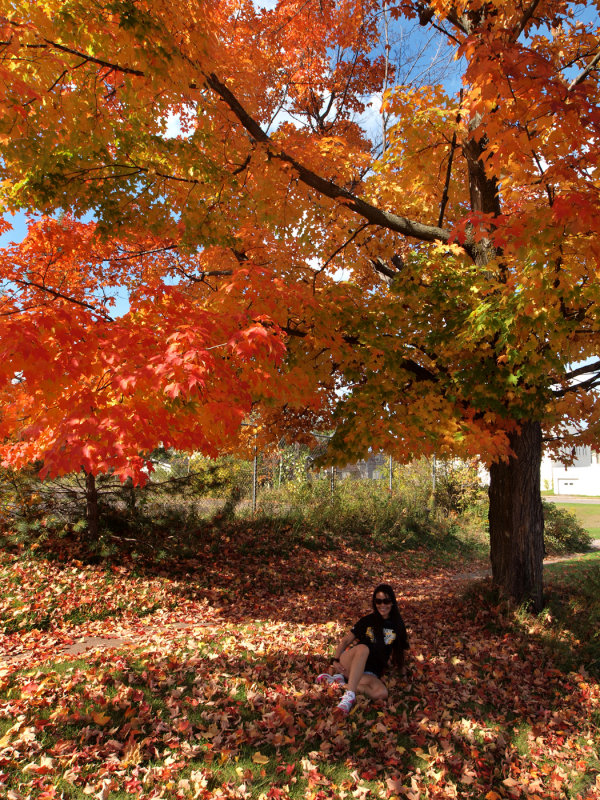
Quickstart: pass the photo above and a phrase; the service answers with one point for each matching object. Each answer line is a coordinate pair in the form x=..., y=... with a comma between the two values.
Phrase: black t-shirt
x=380, y=648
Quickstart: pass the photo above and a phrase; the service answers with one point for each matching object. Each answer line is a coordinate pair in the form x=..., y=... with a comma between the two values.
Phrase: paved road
x=569, y=498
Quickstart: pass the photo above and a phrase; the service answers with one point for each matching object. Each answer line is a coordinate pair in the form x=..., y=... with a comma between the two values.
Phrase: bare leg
x=353, y=662
x=373, y=687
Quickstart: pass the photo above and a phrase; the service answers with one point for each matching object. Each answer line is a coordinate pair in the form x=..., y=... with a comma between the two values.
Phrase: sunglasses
x=386, y=602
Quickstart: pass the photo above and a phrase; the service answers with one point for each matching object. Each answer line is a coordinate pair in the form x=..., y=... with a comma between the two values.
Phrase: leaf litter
x=211, y=692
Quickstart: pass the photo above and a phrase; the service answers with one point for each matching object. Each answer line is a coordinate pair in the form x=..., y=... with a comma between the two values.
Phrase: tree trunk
x=91, y=511
x=517, y=520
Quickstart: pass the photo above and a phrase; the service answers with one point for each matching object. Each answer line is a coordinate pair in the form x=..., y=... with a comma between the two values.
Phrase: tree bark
x=517, y=520
x=91, y=511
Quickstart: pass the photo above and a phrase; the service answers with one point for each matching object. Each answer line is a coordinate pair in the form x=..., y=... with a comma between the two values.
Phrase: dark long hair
x=397, y=650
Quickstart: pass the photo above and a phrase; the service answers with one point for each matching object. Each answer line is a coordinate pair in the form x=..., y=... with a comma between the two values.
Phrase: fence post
x=332, y=480
x=391, y=473
x=433, y=479
x=254, y=480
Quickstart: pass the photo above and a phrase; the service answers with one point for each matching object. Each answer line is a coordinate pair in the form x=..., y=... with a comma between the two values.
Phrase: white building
x=582, y=477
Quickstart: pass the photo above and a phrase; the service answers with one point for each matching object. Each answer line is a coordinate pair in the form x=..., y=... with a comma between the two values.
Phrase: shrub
x=562, y=531
x=458, y=486
x=360, y=513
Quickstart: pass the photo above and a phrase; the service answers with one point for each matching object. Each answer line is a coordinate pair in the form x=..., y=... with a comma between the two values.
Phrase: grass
x=574, y=610
x=588, y=515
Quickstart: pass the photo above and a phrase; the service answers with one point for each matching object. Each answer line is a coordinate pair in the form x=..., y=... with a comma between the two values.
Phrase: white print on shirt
x=389, y=635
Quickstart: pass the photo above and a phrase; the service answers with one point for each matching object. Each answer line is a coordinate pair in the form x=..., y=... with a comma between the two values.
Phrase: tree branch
x=214, y=273
x=584, y=370
x=382, y=268
x=444, y=201
x=60, y=296
x=327, y=188
x=339, y=250
x=524, y=20
x=585, y=386
x=584, y=72
x=92, y=60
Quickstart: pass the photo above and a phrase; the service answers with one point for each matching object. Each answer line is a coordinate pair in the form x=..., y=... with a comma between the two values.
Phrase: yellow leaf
x=258, y=758
x=99, y=718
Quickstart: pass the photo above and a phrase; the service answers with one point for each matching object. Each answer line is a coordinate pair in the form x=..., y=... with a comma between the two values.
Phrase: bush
x=189, y=503
x=360, y=513
x=562, y=531
x=458, y=486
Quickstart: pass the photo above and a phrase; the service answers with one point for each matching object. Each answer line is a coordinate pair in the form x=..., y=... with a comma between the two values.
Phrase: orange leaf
x=100, y=718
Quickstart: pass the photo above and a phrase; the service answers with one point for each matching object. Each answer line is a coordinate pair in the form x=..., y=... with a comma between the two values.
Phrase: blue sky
x=17, y=234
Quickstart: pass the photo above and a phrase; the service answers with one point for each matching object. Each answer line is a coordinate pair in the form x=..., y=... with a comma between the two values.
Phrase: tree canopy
x=468, y=232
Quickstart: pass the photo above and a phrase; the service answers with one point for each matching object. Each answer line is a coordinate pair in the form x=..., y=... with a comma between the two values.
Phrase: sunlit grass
x=588, y=515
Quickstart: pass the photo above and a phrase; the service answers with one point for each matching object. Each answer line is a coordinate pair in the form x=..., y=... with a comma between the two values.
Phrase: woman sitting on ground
x=363, y=654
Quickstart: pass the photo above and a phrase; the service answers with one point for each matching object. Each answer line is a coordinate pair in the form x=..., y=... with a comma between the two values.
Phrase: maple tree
x=470, y=238
x=83, y=389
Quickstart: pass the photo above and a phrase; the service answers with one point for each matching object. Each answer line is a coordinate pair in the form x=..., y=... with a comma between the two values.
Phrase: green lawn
x=587, y=514
x=573, y=593
x=573, y=571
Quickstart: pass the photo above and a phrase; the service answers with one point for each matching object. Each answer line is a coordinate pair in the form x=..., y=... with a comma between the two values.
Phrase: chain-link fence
x=184, y=489
x=274, y=479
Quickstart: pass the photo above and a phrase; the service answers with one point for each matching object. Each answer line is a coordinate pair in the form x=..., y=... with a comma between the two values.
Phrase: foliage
x=20, y=498
x=462, y=349
x=562, y=531
x=458, y=486
x=98, y=392
x=465, y=302
x=34, y=510
x=413, y=481
x=361, y=512
x=184, y=492
x=588, y=514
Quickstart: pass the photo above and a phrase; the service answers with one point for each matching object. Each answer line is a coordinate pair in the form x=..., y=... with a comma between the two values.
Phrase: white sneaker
x=325, y=677
x=346, y=703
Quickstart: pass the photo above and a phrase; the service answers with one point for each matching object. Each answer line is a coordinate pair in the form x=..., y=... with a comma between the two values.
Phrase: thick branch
x=374, y=215
x=382, y=268
x=586, y=369
x=524, y=20
x=201, y=276
x=584, y=386
x=584, y=72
